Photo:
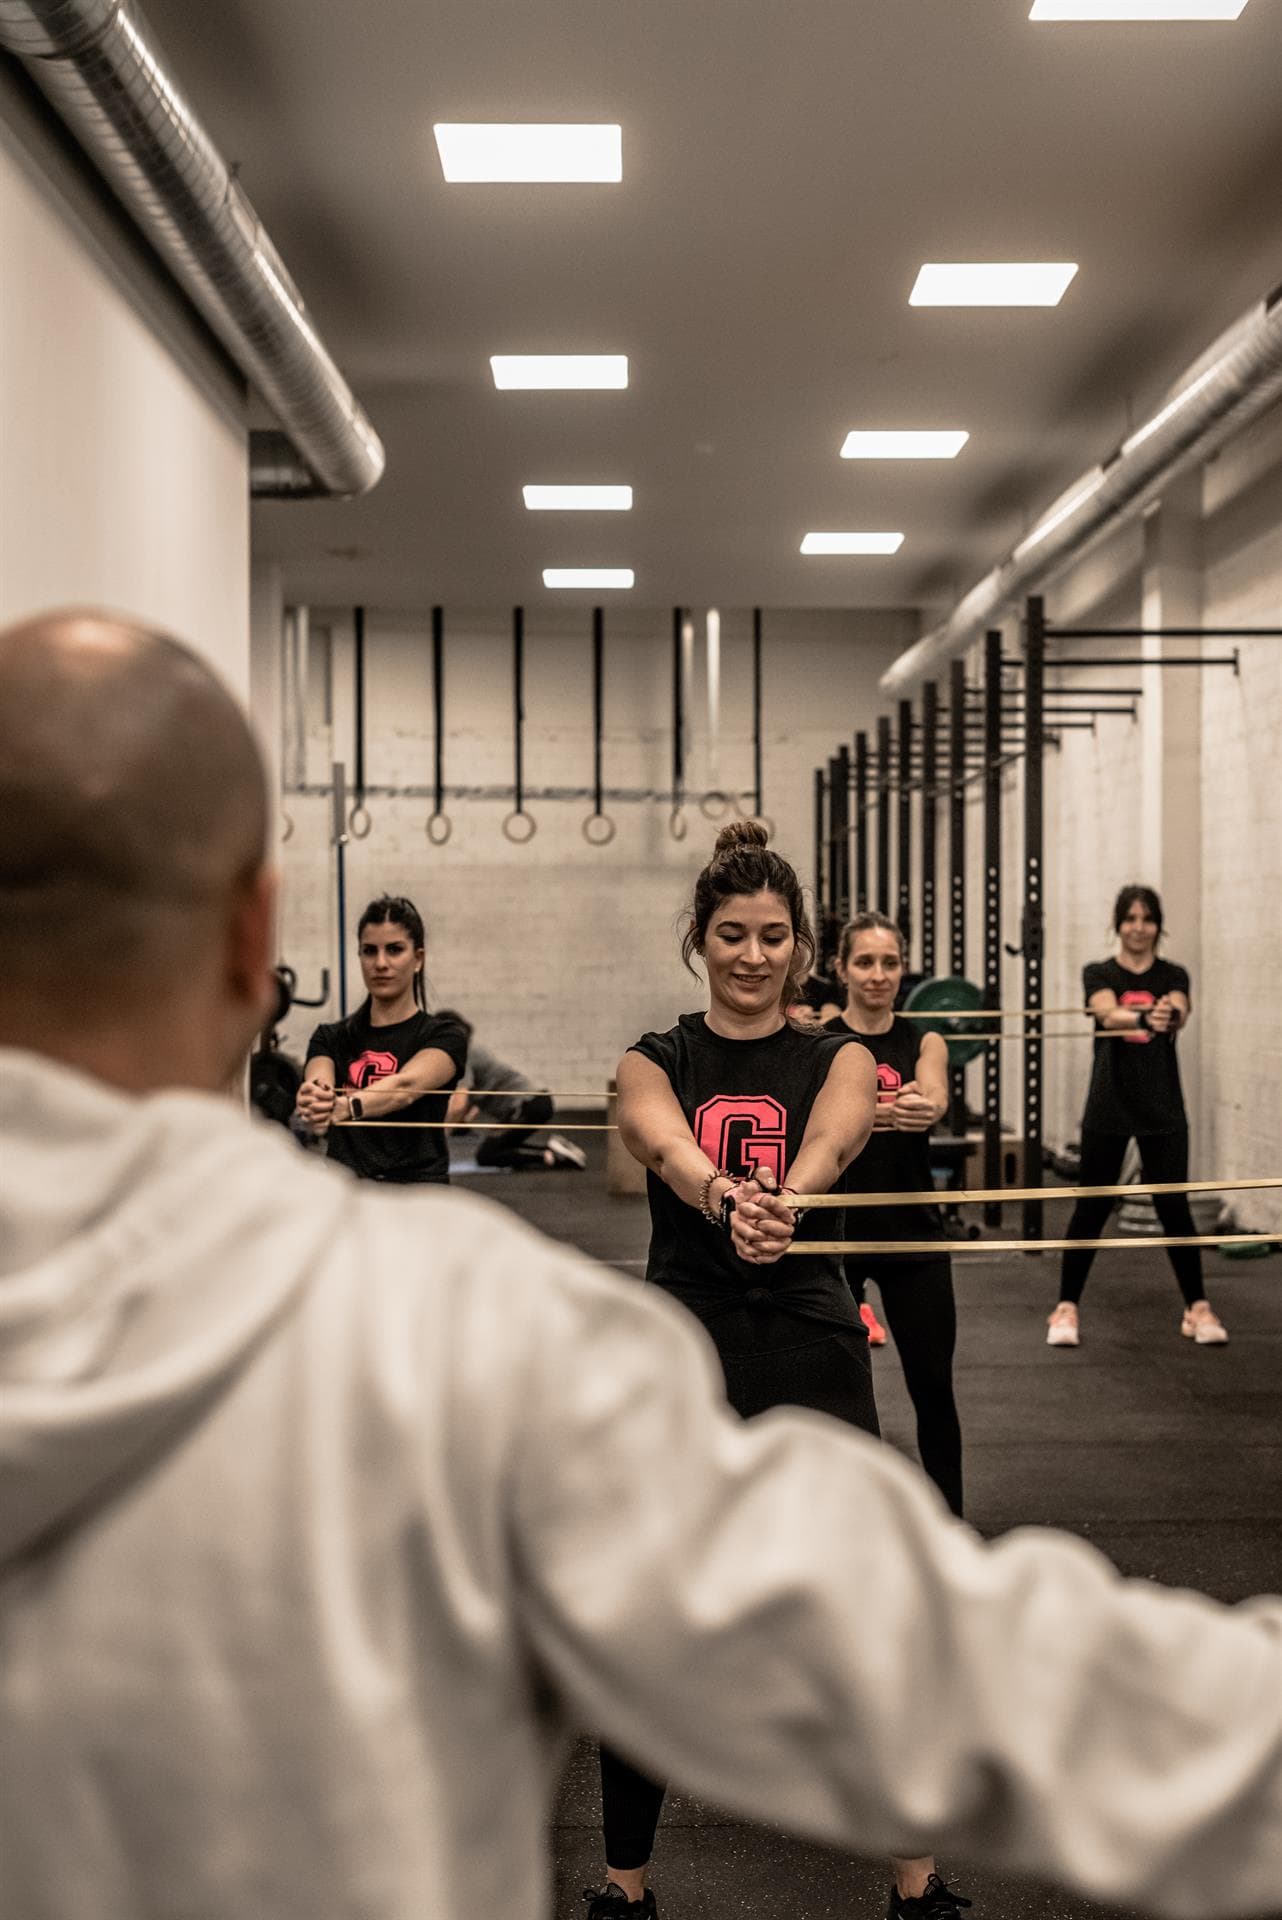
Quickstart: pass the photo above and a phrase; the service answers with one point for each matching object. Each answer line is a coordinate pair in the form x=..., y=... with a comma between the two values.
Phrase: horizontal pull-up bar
x=1110, y=693
x=1163, y=633
x=1180, y=660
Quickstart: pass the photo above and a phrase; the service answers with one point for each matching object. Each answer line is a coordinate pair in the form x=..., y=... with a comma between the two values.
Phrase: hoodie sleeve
x=780, y=1615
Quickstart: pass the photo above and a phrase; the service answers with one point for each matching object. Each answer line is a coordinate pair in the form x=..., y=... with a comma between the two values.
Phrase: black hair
x=867, y=923
x=743, y=863
x=393, y=909
x=1147, y=898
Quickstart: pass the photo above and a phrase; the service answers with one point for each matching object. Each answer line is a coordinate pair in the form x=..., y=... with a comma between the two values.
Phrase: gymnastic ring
x=678, y=825
x=599, y=839
x=359, y=822
x=714, y=804
x=439, y=828
x=523, y=838
x=286, y=828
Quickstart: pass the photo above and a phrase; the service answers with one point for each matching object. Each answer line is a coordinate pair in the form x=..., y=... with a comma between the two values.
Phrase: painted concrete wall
x=124, y=481
x=1186, y=798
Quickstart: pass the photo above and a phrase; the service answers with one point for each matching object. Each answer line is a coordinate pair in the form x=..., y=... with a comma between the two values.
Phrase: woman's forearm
x=681, y=1164
x=821, y=1162
x=1122, y=1019
x=390, y=1095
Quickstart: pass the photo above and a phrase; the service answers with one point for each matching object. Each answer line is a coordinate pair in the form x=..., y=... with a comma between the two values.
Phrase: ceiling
x=788, y=165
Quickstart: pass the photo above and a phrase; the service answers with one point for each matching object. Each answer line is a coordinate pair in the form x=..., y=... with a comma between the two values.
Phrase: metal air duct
x=98, y=63
x=1237, y=379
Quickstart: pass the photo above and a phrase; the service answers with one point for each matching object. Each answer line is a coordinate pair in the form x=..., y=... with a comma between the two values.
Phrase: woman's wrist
x=707, y=1199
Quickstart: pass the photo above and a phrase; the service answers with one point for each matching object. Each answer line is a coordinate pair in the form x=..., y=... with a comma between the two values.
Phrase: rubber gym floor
x=1166, y=1456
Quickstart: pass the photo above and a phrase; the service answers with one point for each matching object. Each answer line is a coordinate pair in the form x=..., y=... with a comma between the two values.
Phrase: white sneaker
x=1203, y=1326
x=564, y=1152
x=1061, y=1328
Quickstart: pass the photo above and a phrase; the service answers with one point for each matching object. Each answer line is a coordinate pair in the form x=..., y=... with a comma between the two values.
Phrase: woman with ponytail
x=389, y=1061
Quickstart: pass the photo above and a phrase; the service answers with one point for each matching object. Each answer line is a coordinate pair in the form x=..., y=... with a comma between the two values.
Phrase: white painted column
x=266, y=668
x=1171, y=755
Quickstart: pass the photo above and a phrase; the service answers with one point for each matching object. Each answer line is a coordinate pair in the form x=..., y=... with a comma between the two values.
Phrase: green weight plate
x=951, y=995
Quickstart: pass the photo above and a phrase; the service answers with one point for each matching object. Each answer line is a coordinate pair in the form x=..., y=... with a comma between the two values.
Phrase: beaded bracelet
x=720, y=1173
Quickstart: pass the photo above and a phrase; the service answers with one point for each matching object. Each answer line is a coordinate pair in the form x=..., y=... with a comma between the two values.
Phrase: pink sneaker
x=1061, y=1328
x=1203, y=1326
x=876, y=1332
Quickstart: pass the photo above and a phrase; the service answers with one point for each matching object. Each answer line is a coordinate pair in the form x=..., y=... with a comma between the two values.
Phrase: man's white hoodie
x=327, y=1513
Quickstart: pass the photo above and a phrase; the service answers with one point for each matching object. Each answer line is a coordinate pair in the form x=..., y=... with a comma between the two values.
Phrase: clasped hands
x=1163, y=1015
x=905, y=1111
x=319, y=1104
x=762, y=1220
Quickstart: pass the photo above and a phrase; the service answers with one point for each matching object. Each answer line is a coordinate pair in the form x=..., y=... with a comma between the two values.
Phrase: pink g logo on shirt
x=889, y=1081
x=371, y=1066
x=1136, y=998
x=742, y=1132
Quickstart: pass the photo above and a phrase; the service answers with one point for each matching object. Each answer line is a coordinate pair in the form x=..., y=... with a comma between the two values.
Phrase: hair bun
x=740, y=833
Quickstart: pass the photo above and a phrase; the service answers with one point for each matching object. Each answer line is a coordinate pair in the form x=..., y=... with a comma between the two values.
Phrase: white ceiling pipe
x=99, y=65
x=1235, y=381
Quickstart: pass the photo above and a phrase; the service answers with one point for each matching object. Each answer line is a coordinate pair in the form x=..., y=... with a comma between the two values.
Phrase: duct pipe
x=275, y=470
x=1237, y=379
x=98, y=63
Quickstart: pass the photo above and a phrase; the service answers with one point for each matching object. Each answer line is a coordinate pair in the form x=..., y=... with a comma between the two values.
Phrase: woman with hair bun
x=726, y=1110
x=1135, y=1094
x=390, y=1061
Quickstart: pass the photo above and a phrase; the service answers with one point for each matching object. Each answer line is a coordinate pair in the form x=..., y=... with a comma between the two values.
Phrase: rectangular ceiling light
x=1019, y=283
x=560, y=371
x=588, y=576
x=525, y=152
x=852, y=543
x=578, y=499
x=906, y=445
x=1137, y=9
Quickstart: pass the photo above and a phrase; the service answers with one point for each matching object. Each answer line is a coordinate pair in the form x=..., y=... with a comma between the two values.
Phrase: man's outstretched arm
x=781, y=1616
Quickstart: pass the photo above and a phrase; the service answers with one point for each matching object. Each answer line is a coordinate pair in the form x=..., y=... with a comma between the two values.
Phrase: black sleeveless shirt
x=747, y=1103
x=891, y=1162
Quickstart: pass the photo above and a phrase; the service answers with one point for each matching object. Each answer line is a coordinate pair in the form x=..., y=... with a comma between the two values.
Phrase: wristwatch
x=354, y=1107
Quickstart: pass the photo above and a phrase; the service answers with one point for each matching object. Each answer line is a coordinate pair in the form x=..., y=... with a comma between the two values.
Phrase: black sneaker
x=937, y=1903
x=610, y=1902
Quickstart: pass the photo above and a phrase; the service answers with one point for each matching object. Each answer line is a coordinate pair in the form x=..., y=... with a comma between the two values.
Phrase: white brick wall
x=1093, y=831
x=1241, y=1006
x=561, y=953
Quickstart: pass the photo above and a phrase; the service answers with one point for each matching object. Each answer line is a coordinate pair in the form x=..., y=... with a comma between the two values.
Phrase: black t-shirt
x=747, y=1103
x=891, y=1162
x=364, y=1054
x=1135, y=1080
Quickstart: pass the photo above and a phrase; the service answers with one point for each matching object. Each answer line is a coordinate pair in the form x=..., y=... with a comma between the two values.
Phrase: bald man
x=326, y=1514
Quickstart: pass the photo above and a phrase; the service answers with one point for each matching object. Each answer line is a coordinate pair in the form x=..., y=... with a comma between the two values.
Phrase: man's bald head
x=132, y=803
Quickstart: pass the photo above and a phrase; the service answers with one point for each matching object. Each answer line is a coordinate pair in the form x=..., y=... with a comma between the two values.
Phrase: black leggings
x=830, y=1375
x=506, y=1147
x=917, y=1295
x=1163, y=1156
